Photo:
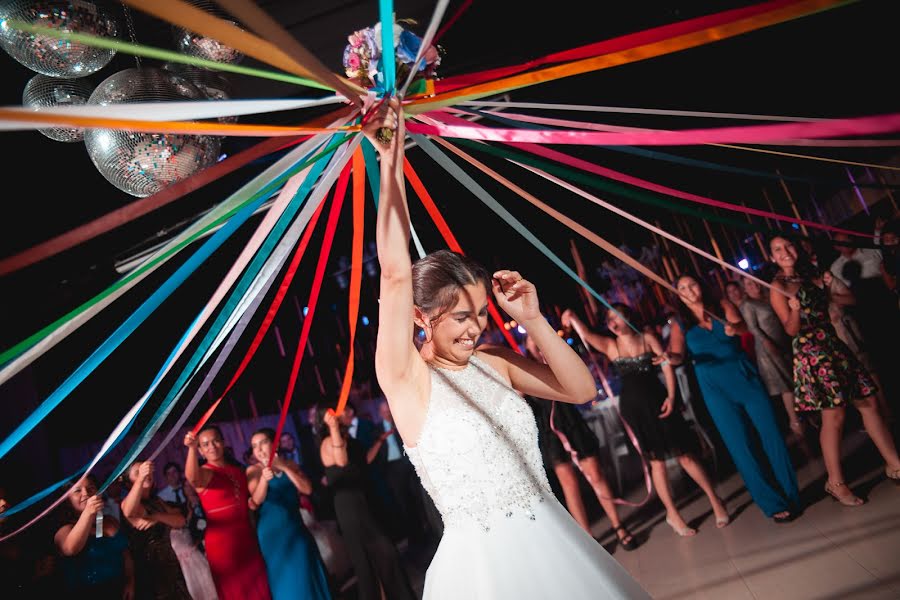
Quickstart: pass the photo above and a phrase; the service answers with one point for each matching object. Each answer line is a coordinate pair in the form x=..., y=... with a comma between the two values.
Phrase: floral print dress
x=826, y=373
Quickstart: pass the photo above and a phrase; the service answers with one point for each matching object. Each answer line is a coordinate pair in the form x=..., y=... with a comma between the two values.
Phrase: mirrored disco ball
x=196, y=44
x=46, y=92
x=142, y=164
x=49, y=55
x=214, y=84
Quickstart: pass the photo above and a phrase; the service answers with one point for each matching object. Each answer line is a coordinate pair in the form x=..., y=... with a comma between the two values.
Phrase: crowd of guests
x=817, y=340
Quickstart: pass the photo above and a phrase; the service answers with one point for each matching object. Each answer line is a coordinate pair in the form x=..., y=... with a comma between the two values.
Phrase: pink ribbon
x=648, y=185
x=754, y=134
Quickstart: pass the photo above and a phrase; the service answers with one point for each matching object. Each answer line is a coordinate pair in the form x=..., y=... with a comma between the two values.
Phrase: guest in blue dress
x=735, y=397
x=292, y=558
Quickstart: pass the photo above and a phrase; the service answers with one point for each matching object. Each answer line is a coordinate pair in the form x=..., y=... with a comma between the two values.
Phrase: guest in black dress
x=649, y=408
x=556, y=420
x=147, y=520
x=374, y=557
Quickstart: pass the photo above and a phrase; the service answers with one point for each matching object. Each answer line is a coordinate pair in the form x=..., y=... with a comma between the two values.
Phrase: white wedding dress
x=505, y=535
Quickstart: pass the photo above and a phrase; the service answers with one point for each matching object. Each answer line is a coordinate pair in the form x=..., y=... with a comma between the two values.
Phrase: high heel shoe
x=627, y=540
x=681, y=531
x=849, y=499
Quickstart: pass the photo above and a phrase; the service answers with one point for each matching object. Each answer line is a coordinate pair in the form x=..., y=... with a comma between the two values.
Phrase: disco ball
x=213, y=84
x=46, y=92
x=49, y=55
x=196, y=44
x=142, y=164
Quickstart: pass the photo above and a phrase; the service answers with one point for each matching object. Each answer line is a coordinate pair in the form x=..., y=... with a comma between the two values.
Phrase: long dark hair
x=804, y=267
x=66, y=513
x=711, y=303
x=628, y=314
x=439, y=277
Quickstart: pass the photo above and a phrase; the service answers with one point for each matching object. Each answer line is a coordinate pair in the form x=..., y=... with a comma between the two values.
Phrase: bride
x=468, y=432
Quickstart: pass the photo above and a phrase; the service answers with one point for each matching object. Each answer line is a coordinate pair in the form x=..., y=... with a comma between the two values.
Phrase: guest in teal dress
x=292, y=558
x=735, y=397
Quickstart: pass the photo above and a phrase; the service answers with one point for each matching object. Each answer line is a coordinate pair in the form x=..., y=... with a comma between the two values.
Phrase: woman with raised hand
x=465, y=425
x=735, y=397
x=93, y=567
x=649, y=409
x=827, y=375
x=231, y=547
x=290, y=552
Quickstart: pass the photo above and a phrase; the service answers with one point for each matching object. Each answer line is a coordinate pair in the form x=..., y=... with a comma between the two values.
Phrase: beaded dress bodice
x=478, y=454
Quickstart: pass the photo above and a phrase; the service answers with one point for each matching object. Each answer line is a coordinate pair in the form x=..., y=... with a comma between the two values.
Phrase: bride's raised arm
x=395, y=351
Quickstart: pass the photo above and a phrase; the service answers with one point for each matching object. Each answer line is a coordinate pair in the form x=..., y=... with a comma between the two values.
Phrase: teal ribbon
x=387, y=65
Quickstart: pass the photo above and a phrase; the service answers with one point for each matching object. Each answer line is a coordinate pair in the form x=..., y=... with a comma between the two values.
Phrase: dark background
x=839, y=63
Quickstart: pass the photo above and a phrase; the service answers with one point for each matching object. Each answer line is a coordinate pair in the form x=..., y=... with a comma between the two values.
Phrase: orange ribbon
x=613, y=59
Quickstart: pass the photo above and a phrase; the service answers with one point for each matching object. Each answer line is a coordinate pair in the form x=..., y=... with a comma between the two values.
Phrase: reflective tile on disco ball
x=142, y=164
x=52, y=56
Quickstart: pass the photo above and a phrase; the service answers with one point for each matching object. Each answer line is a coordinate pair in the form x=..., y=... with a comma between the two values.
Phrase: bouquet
x=362, y=56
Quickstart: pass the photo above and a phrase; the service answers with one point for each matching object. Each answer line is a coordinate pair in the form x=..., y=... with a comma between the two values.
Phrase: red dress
x=231, y=547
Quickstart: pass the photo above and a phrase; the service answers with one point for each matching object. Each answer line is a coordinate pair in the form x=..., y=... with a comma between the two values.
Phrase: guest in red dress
x=231, y=547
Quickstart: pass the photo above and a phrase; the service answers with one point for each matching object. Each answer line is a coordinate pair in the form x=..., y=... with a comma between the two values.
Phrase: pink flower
x=814, y=361
x=823, y=371
x=820, y=335
x=353, y=61
x=355, y=39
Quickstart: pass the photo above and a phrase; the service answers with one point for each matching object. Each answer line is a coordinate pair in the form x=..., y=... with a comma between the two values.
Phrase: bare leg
x=878, y=431
x=793, y=420
x=830, y=439
x=568, y=480
x=591, y=468
x=664, y=491
x=696, y=472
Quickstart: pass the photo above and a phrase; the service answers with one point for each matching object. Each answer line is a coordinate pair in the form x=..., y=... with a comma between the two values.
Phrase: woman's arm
x=736, y=325
x=677, y=346
x=333, y=450
x=787, y=309
x=598, y=342
x=132, y=507
x=71, y=539
x=373, y=451
x=169, y=515
x=195, y=475
x=395, y=353
x=838, y=292
x=295, y=474
x=668, y=374
x=258, y=483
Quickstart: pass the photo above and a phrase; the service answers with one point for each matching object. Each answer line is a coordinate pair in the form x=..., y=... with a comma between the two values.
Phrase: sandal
x=785, y=516
x=848, y=499
x=626, y=539
x=893, y=475
x=681, y=531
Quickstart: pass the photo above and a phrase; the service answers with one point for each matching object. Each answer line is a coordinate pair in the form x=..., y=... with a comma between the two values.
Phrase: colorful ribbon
x=269, y=29
x=665, y=46
x=96, y=41
x=413, y=178
x=387, y=65
x=617, y=44
x=359, y=212
x=872, y=125
x=504, y=214
x=330, y=228
x=427, y=39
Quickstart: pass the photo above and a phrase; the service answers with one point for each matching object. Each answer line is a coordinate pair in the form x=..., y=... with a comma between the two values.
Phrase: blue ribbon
x=387, y=66
x=233, y=300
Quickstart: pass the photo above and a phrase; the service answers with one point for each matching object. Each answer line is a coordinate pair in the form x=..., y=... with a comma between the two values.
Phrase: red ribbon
x=607, y=46
x=269, y=318
x=448, y=236
x=330, y=228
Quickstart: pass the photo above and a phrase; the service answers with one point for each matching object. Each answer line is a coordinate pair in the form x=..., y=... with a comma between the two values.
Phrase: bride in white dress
x=470, y=435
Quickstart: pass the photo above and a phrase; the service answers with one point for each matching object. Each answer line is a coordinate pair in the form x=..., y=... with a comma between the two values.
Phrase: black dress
x=567, y=420
x=373, y=555
x=157, y=572
x=641, y=398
